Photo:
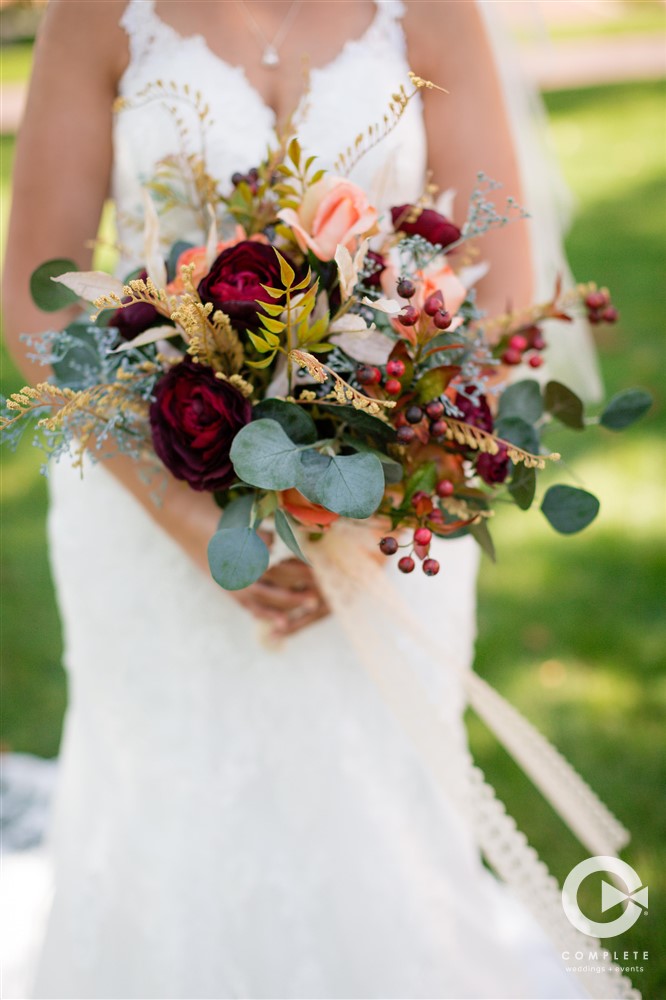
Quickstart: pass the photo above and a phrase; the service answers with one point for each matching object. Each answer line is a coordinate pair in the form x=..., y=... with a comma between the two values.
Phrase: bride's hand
x=286, y=596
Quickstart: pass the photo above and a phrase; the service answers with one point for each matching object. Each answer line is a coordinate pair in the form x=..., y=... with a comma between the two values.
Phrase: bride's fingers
x=257, y=609
x=294, y=623
x=284, y=598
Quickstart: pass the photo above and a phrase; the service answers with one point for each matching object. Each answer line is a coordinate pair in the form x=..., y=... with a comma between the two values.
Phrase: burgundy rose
x=194, y=419
x=135, y=319
x=234, y=282
x=432, y=226
x=493, y=468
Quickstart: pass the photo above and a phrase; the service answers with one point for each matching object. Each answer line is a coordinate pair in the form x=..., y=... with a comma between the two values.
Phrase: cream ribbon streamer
x=350, y=577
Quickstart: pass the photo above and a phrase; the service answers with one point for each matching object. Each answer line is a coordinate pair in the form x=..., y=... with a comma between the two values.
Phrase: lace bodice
x=328, y=118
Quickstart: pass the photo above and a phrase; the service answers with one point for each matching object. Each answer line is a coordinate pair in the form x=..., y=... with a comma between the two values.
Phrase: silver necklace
x=270, y=56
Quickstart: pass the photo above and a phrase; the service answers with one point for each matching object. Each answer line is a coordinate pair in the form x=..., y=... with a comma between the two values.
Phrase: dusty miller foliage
x=81, y=360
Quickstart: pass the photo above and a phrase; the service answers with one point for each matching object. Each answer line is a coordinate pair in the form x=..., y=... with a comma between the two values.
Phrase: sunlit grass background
x=570, y=629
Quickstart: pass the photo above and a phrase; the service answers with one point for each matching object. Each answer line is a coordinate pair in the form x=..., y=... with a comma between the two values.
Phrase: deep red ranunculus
x=133, y=320
x=234, y=281
x=493, y=468
x=194, y=418
x=478, y=415
x=432, y=226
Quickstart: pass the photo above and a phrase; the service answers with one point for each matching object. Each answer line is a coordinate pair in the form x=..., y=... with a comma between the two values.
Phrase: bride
x=240, y=813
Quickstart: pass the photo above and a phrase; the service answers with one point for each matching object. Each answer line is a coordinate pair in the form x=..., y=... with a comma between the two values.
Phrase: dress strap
x=141, y=26
x=394, y=10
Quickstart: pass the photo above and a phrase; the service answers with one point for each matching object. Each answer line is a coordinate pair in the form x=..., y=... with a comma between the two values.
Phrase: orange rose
x=304, y=511
x=334, y=212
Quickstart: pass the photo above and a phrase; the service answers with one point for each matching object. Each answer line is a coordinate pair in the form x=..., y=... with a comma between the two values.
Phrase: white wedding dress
x=239, y=819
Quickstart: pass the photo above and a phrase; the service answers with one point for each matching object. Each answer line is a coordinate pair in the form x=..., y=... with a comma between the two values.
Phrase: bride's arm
x=61, y=179
x=468, y=131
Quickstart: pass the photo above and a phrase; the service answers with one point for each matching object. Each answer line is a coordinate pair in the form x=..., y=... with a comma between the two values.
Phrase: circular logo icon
x=635, y=896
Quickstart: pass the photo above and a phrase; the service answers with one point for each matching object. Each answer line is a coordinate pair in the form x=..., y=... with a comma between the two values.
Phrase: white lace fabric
x=243, y=820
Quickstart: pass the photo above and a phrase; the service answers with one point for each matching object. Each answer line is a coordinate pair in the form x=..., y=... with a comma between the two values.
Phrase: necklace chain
x=271, y=55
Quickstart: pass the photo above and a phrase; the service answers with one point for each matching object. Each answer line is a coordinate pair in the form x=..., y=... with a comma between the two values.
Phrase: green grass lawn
x=634, y=17
x=570, y=629
x=16, y=62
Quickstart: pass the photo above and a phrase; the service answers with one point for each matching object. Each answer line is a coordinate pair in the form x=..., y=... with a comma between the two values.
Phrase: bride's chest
x=172, y=79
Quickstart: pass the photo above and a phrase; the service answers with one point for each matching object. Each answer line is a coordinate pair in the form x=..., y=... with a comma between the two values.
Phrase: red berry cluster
x=600, y=308
x=420, y=543
x=369, y=375
x=525, y=345
x=433, y=307
x=251, y=178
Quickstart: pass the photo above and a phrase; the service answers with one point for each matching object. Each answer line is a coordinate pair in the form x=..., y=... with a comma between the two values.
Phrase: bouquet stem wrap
x=351, y=575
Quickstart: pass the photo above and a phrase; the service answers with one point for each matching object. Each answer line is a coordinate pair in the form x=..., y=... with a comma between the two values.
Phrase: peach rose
x=198, y=257
x=304, y=511
x=334, y=212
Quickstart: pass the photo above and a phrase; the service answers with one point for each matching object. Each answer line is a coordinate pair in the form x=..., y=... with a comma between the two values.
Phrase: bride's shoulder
x=441, y=36
x=90, y=32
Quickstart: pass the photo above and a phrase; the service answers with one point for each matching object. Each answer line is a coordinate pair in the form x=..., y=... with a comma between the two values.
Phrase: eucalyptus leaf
x=237, y=557
x=569, y=509
x=564, y=405
x=523, y=485
x=518, y=432
x=237, y=514
x=47, y=294
x=80, y=366
x=481, y=534
x=264, y=456
x=522, y=399
x=362, y=423
x=393, y=471
x=294, y=420
x=350, y=485
x=625, y=409
x=284, y=530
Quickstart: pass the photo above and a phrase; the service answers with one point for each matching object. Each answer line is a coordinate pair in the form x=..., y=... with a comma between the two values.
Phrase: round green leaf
x=237, y=557
x=350, y=485
x=625, y=409
x=522, y=399
x=237, y=514
x=564, y=405
x=569, y=509
x=264, y=456
x=293, y=419
x=49, y=296
x=518, y=432
x=523, y=485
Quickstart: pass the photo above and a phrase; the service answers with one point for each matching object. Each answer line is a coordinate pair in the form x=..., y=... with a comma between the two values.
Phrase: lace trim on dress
x=143, y=24
x=349, y=576
x=142, y=27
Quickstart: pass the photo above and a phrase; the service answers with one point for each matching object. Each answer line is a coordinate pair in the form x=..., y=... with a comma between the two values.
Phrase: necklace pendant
x=270, y=57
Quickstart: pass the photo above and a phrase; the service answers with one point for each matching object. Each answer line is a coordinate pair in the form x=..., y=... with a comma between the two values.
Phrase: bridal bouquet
x=314, y=359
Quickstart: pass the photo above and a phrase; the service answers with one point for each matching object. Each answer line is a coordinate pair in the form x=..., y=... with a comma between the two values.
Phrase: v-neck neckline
x=200, y=39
